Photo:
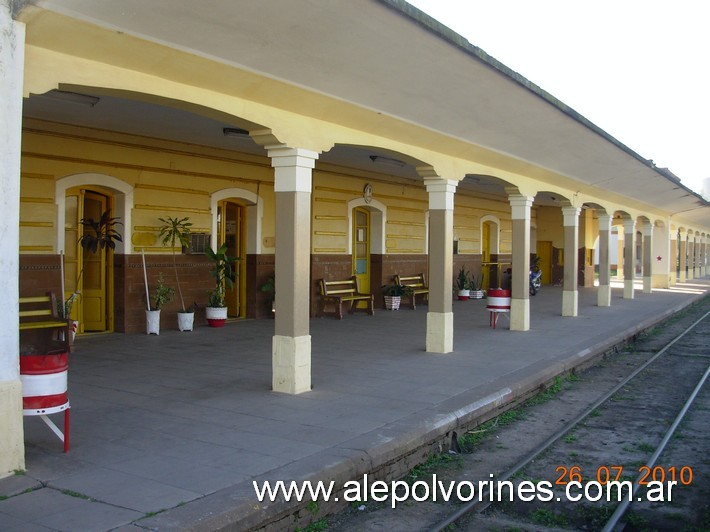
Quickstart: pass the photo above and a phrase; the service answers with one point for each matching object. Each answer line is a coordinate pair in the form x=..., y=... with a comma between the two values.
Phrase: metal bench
x=343, y=291
x=416, y=283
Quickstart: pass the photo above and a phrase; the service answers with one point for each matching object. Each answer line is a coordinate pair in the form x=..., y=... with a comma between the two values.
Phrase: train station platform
x=169, y=431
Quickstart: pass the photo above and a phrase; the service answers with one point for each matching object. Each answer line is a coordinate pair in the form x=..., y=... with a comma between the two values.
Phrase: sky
x=638, y=69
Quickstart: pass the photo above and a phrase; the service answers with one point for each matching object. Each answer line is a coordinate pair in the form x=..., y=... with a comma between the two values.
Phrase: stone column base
x=569, y=302
x=12, y=446
x=519, y=314
x=661, y=280
x=647, y=285
x=291, y=364
x=440, y=332
x=628, y=288
x=604, y=295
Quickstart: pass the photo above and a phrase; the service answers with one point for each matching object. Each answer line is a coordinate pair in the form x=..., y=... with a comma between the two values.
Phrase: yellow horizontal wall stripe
x=330, y=218
x=329, y=250
x=30, y=175
x=27, y=199
x=406, y=237
x=172, y=209
x=36, y=248
x=414, y=224
x=36, y=224
x=330, y=233
x=173, y=189
x=330, y=200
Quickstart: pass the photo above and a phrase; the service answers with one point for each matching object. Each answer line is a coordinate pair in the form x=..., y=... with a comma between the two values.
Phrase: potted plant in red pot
x=223, y=273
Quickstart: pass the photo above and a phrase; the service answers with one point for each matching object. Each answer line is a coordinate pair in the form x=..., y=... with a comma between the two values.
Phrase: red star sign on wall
x=659, y=258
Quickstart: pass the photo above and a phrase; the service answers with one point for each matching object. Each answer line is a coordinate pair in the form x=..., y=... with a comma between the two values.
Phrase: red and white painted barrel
x=44, y=383
x=498, y=299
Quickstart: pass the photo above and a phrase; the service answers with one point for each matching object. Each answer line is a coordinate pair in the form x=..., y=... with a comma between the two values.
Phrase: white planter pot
x=392, y=302
x=463, y=295
x=185, y=320
x=475, y=294
x=216, y=316
x=152, y=321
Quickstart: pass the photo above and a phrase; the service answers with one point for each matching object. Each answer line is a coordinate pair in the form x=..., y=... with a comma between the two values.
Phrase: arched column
x=682, y=244
x=690, y=274
x=440, y=318
x=661, y=273
x=646, y=263
x=520, y=301
x=12, y=50
x=629, y=257
x=571, y=257
x=604, y=290
x=291, y=346
x=704, y=257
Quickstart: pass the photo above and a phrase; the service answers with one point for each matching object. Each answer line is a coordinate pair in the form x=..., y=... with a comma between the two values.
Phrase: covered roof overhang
x=368, y=64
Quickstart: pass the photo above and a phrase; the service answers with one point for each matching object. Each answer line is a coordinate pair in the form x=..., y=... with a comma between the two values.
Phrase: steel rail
x=623, y=506
x=480, y=504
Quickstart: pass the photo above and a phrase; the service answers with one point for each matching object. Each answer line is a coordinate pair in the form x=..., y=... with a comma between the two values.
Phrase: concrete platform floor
x=168, y=431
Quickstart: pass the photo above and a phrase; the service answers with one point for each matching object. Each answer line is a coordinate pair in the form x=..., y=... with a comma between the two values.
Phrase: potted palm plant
x=177, y=231
x=474, y=286
x=162, y=295
x=393, y=294
x=462, y=284
x=223, y=273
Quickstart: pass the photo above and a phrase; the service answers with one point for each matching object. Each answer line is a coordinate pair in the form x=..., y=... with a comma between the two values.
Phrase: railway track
x=627, y=419
x=612, y=424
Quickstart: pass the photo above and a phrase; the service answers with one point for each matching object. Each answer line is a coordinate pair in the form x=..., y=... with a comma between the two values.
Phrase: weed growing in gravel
x=434, y=462
x=646, y=448
x=546, y=517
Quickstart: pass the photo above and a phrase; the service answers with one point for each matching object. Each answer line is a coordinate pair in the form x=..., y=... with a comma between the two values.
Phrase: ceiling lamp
x=387, y=161
x=235, y=132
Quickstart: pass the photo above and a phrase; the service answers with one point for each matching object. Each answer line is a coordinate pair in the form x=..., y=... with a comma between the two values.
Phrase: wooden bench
x=39, y=313
x=416, y=283
x=339, y=292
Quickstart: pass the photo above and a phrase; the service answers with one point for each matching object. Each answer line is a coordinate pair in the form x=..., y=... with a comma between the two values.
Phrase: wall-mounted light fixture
x=387, y=161
x=235, y=132
x=72, y=97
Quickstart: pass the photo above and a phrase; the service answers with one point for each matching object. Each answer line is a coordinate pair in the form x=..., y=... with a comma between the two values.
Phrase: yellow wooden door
x=93, y=277
x=232, y=228
x=361, y=248
x=544, y=251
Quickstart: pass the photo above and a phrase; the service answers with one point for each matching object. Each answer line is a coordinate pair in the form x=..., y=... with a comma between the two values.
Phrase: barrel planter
x=392, y=302
x=498, y=302
x=216, y=316
x=44, y=389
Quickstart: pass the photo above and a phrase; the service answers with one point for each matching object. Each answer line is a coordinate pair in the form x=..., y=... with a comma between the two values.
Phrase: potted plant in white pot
x=462, y=284
x=177, y=231
x=162, y=295
x=393, y=294
x=223, y=273
x=474, y=285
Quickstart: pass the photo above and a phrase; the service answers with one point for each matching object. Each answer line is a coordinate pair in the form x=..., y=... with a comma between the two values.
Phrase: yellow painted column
x=691, y=259
x=520, y=292
x=683, y=258
x=673, y=273
x=629, y=257
x=12, y=49
x=571, y=257
x=704, y=258
x=604, y=290
x=291, y=345
x=440, y=317
x=646, y=263
x=662, y=263
x=619, y=254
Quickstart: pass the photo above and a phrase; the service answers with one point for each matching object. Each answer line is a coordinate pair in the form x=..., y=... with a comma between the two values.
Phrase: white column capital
x=629, y=226
x=604, y=221
x=293, y=168
x=441, y=193
x=571, y=216
x=648, y=229
x=520, y=206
